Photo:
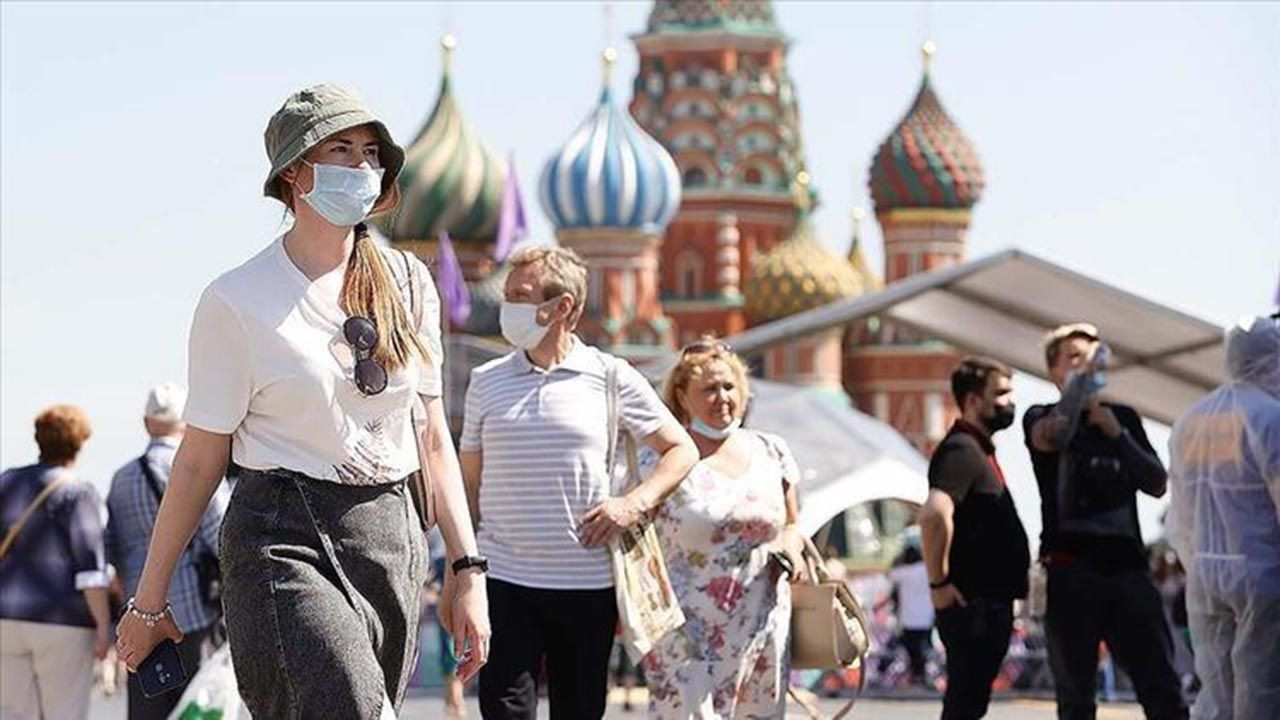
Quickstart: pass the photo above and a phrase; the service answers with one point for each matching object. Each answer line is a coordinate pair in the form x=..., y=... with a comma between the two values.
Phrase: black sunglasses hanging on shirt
x=362, y=335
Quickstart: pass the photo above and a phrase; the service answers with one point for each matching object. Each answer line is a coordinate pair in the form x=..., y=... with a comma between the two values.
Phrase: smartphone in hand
x=162, y=670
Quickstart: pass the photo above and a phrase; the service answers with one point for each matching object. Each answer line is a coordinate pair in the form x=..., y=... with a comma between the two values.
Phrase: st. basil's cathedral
x=691, y=205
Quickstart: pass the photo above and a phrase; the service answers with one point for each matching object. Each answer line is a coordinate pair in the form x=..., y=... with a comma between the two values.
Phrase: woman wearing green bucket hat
x=305, y=364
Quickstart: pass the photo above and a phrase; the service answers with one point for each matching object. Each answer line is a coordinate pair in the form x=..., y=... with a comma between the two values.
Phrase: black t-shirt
x=1093, y=519
x=989, y=556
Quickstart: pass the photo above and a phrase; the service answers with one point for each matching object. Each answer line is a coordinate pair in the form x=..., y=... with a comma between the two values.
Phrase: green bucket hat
x=311, y=115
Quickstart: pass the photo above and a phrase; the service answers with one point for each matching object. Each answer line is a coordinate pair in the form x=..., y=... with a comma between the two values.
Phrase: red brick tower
x=925, y=180
x=713, y=87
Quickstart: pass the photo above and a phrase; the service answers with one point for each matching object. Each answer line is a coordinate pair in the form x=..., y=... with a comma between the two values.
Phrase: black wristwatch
x=945, y=581
x=470, y=561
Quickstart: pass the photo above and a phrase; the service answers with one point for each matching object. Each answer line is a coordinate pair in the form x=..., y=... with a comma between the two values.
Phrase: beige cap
x=165, y=402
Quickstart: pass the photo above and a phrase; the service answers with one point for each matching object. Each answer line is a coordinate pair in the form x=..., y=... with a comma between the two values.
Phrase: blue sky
x=1138, y=143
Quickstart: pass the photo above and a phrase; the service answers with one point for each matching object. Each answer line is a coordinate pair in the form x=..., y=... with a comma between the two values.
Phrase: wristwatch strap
x=470, y=561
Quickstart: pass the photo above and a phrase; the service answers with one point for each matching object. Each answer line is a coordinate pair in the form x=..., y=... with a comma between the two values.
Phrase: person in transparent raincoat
x=1224, y=521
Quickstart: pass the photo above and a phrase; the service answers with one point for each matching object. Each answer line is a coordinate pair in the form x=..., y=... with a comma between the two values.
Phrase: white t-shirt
x=915, y=607
x=268, y=364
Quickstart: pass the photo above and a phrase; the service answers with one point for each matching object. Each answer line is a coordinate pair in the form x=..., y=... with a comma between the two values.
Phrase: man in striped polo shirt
x=533, y=458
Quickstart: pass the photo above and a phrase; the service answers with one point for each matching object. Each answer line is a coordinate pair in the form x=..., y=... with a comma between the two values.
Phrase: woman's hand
x=135, y=641
x=448, y=593
x=791, y=544
x=470, y=623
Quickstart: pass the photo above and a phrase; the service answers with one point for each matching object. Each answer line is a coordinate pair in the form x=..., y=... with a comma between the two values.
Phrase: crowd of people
x=315, y=367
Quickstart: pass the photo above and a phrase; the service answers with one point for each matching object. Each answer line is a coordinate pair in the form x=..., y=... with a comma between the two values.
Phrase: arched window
x=694, y=177
x=753, y=176
x=689, y=275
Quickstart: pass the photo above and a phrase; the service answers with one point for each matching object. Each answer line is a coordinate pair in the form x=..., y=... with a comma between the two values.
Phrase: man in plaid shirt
x=132, y=505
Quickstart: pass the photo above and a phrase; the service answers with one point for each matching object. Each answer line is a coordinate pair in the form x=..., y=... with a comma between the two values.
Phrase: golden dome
x=797, y=275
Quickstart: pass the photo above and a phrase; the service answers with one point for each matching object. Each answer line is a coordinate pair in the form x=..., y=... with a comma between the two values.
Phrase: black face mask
x=1000, y=419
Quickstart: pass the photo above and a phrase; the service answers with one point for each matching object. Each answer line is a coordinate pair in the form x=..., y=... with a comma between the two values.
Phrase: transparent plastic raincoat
x=1224, y=522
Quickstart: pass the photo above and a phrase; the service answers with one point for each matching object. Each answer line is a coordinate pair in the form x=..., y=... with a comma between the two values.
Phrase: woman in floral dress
x=719, y=531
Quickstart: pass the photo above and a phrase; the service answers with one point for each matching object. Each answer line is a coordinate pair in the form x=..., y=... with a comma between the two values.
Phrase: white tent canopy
x=1003, y=304
x=846, y=458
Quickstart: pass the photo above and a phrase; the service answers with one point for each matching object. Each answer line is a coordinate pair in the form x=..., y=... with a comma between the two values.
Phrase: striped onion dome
x=452, y=181
x=926, y=162
x=798, y=274
x=610, y=174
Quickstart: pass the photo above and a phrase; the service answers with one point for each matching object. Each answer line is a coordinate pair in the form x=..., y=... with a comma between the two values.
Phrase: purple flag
x=453, y=286
x=511, y=224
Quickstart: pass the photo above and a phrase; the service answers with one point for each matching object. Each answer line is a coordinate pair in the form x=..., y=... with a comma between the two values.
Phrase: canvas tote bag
x=647, y=604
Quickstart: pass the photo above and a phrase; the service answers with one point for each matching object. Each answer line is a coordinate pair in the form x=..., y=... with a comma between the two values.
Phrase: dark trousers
x=572, y=629
x=917, y=644
x=976, y=637
x=1123, y=609
x=142, y=707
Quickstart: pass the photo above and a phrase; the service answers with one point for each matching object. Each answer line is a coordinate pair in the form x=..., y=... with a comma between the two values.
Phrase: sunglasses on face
x=362, y=335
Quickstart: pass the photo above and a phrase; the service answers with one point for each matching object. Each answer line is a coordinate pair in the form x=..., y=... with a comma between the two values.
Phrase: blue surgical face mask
x=697, y=425
x=344, y=195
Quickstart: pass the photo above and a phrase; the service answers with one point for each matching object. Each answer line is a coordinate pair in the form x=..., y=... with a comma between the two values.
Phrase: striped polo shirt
x=542, y=439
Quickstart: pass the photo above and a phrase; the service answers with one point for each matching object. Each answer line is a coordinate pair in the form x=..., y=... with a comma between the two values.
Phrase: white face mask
x=343, y=195
x=706, y=431
x=519, y=323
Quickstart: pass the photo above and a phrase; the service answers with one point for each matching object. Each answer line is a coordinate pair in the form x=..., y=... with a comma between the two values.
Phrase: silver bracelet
x=150, y=619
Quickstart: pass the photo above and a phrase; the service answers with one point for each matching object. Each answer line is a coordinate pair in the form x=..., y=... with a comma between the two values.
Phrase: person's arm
x=1138, y=458
x=1042, y=429
x=952, y=472
x=936, y=530
x=86, y=536
x=677, y=455
x=197, y=469
x=468, y=615
x=472, y=463
x=100, y=610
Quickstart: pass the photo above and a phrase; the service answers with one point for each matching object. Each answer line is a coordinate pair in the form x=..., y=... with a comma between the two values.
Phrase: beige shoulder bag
x=12, y=536
x=829, y=630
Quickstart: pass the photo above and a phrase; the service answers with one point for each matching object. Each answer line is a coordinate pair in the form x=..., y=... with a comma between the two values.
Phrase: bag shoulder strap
x=611, y=400
x=12, y=536
x=150, y=477
x=417, y=419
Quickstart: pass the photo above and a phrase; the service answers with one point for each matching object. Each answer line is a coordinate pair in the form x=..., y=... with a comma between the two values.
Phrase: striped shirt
x=542, y=438
x=131, y=514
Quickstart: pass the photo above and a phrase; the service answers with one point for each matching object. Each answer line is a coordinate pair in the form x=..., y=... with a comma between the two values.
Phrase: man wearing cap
x=132, y=504
x=1089, y=470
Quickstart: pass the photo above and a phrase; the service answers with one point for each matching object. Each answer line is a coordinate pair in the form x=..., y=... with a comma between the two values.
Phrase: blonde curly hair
x=695, y=358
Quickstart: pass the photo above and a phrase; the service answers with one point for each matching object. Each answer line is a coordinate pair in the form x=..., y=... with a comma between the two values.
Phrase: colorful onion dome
x=926, y=162
x=452, y=181
x=798, y=274
x=739, y=16
x=486, y=301
x=610, y=174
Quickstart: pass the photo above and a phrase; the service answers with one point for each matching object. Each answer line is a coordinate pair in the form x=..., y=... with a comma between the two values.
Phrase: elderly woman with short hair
x=729, y=539
x=54, y=617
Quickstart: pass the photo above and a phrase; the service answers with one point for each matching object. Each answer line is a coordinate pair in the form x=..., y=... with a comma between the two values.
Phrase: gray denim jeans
x=321, y=585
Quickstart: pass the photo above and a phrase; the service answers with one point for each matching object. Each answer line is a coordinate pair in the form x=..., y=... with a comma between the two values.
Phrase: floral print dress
x=731, y=659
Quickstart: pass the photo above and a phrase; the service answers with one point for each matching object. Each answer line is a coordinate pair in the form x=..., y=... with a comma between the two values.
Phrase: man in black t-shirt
x=1099, y=585
x=975, y=549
